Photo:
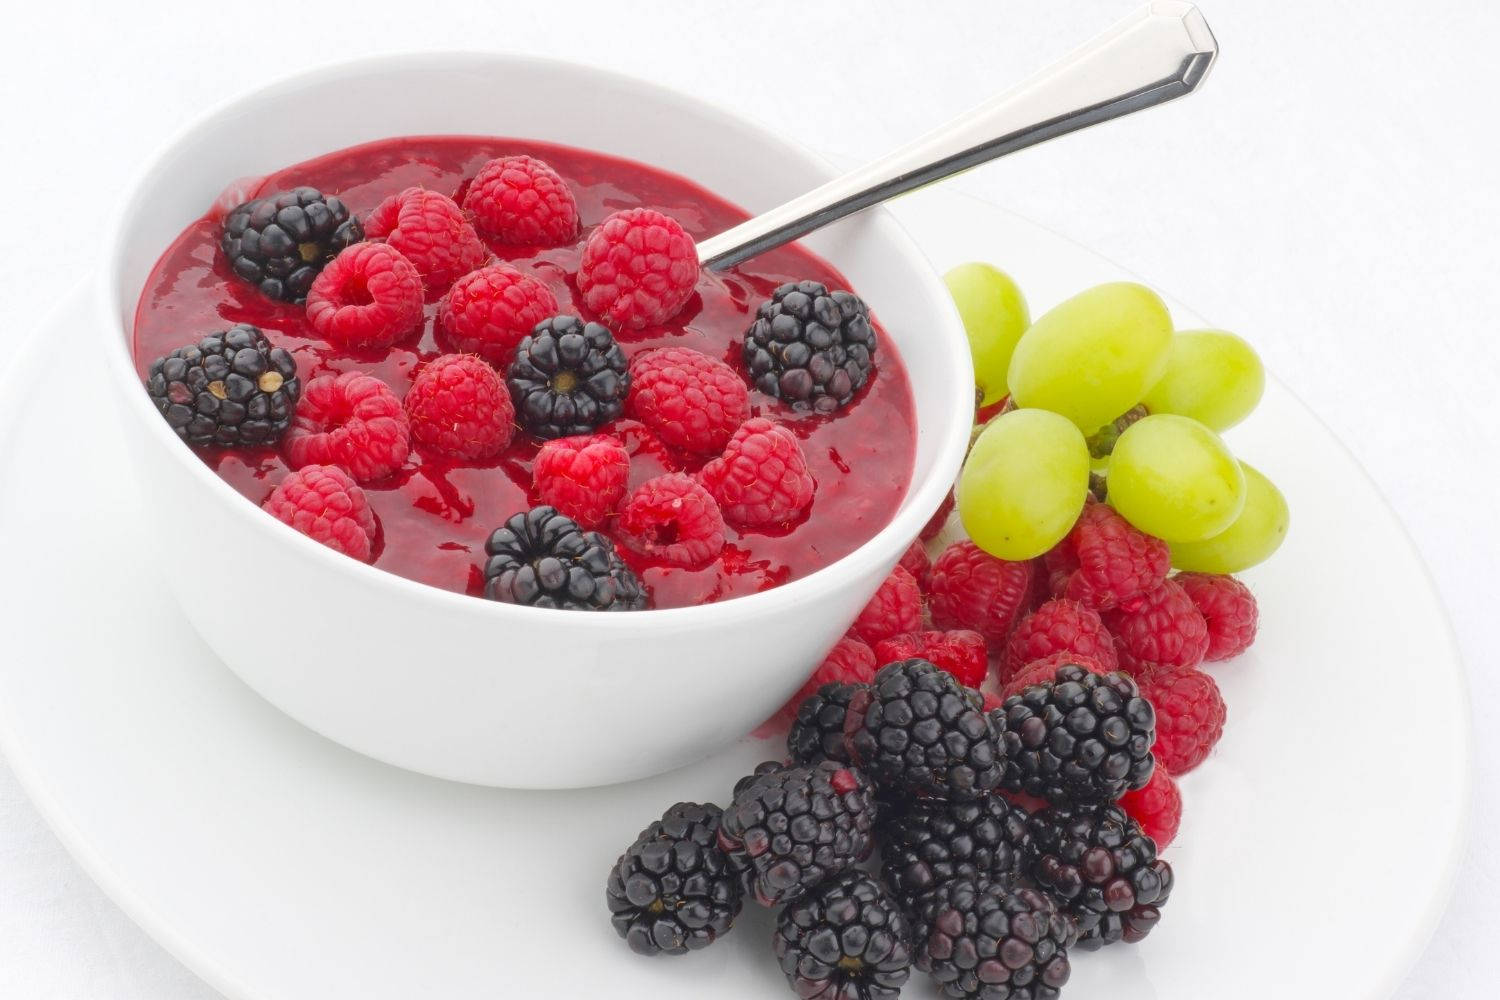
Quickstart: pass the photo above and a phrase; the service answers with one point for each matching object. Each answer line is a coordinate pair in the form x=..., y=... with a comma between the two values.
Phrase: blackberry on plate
x=919, y=735
x=817, y=733
x=791, y=828
x=541, y=558
x=845, y=940
x=1101, y=868
x=1084, y=737
x=810, y=347
x=934, y=842
x=989, y=940
x=232, y=388
x=568, y=377
x=280, y=242
x=761, y=770
x=673, y=891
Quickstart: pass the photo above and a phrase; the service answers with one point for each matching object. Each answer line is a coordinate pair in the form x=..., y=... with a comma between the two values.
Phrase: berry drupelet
x=280, y=242
x=845, y=940
x=810, y=347
x=1085, y=737
x=568, y=377
x=546, y=560
x=817, y=732
x=673, y=890
x=930, y=843
x=981, y=939
x=232, y=388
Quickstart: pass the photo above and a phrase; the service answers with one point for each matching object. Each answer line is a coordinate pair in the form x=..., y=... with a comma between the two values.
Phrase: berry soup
x=436, y=511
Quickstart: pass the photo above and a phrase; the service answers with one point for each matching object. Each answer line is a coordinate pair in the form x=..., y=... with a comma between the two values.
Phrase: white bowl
x=451, y=685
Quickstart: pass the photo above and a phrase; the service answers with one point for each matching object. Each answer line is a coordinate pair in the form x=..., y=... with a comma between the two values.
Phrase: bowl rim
x=946, y=335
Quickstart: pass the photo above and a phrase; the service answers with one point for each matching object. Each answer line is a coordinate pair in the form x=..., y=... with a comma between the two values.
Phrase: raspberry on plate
x=1157, y=807
x=971, y=589
x=1190, y=715
x=916, y=562
x=489, y=312
x=431, y=231
x=522, y=201
x=1045, y=669
x=674, y=519
x=895, y=608
x=761, y=480
x=369, y=296
x=1059, y=626
x=1228, y=608
x=960, y=652
x=354, y=421
x=639, y=268
x=1162, y=628
x=1105, y=562
x=323, y=503
x=458, y=406
x=584, y=477
x=692, y=401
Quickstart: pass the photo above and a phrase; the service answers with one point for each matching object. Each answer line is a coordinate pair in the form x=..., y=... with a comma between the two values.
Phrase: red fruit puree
x=435, y=513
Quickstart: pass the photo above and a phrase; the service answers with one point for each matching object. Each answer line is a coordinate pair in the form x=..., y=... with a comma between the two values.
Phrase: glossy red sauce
x=435, y=513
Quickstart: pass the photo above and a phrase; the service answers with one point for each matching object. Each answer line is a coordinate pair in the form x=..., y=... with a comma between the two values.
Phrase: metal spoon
x=1160, y=53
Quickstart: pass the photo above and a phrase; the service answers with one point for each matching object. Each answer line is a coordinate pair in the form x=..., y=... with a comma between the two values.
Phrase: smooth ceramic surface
x=442, y=683
x=282, y=867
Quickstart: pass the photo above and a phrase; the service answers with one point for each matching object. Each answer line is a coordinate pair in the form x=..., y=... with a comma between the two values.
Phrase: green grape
x=1254, y=535
x=995, y=315
x=1024, y=484
x=1212, y=376
x=1173, y=478
x=1094, y=356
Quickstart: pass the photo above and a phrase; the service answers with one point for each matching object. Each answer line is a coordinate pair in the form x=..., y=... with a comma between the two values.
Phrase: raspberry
x=850, y=661
x=916, y=562
x=1043, y=670
x=962, y=653
x=1163, y=628
x=522, y=202
x=638, y=268
x=971, y=589
x=490, y=311
x=1157, y=807
x=762, y=479
x=1189, y=715
x=689, y=399
x=353, y=421
x=368, y=296
x=430, y=231
x=1228, y=608
x=672, y=518
x=895, y=608
x=1059, y=626
x=323, y=503
x=939, y=518
x=1106, y=563
x=459, y=406
x=583, y=477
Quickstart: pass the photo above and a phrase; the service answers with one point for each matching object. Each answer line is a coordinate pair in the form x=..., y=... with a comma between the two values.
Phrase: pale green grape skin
x=1024, y=484
x=1253, y=537
x=1173, y=478
x=995, y=315
x=1212, y=376
x=1094, y=356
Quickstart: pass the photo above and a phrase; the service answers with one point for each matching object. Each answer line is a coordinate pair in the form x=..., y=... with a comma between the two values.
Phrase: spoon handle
x=1161, y=52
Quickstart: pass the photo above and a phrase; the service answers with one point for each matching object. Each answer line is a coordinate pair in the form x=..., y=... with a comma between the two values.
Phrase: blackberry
x=544, y=559
x=935, y=842
x=1101, y=868
x=790, y=829
x=280, y=242
x=673, y=891
x=761, y=770
x=918, y=734
x=1083, y=737
x=817, y=733
x=845, y=940
x=810, y=347
x=232, y=388
x=568, y=377
x=984, y=939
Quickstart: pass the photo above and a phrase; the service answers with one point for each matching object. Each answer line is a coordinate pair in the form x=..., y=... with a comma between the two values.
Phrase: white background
x=1332, y=195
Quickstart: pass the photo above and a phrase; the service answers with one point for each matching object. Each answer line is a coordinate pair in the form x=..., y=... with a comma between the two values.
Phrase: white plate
x=280, y=866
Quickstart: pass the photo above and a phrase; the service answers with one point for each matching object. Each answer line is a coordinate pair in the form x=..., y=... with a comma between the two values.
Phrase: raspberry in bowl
x=756, y=516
